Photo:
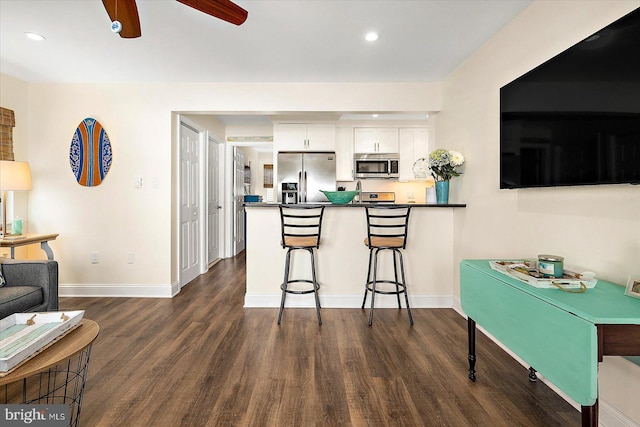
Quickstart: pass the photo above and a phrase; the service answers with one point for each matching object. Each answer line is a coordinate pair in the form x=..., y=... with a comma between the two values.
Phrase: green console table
x=561, y=335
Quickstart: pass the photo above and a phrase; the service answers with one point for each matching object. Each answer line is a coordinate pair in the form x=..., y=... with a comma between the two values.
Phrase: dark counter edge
x=356, y=205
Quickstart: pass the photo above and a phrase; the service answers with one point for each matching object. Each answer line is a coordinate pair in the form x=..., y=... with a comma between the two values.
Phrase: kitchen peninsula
x=341, y=260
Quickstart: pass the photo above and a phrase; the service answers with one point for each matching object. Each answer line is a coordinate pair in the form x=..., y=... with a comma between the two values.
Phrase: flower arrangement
x=443, y=164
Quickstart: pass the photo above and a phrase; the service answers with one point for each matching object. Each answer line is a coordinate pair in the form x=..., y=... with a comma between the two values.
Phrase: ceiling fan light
x=116, y=26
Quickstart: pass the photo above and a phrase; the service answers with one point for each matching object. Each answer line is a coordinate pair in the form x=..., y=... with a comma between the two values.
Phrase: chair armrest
x=33, y=273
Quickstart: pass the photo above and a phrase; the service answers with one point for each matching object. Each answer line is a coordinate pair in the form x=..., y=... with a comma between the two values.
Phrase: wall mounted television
x=575, y=119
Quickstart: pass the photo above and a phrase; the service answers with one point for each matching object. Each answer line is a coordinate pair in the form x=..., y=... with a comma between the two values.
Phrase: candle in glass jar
x=16, y=226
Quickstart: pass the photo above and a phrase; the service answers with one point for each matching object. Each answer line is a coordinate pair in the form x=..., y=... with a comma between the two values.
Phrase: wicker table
x=55, y=376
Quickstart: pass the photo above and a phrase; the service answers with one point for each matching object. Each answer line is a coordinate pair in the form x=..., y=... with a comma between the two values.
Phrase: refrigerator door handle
x=299, y=193
x=305, y=186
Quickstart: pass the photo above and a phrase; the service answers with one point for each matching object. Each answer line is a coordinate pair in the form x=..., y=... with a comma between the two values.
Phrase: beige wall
x=597, y=227
x=115, y=218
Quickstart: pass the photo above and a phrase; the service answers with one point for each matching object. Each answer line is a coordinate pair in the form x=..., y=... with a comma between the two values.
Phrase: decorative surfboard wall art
x=90, y=154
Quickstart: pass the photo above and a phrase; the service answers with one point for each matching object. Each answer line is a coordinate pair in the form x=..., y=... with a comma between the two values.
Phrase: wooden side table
x=562, y=335
x=55, y=376
x=30, y=239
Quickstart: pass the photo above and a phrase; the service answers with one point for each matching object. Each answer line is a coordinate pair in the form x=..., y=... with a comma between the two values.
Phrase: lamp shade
x=14, y=176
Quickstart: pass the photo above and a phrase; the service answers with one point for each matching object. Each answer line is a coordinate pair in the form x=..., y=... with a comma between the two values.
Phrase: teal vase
x=442, y=192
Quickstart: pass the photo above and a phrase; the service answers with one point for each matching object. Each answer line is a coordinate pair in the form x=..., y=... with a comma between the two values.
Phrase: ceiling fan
x=125, y=20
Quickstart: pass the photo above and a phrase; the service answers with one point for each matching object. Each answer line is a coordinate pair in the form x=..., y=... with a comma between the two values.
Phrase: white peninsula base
x=341, y=260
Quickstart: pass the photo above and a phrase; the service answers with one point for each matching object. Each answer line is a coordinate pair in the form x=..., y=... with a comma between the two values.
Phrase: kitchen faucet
x=359, y=190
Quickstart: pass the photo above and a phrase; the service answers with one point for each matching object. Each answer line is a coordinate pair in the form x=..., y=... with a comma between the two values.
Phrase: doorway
x=201, y=190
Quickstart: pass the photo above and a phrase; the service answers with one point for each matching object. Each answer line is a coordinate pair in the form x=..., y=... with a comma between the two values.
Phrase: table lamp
x=14, y=176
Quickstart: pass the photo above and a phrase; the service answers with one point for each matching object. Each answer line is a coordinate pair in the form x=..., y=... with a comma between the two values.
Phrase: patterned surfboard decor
x=90, y=154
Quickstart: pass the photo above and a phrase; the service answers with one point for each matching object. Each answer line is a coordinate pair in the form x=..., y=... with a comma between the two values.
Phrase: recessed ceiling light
x=34, y=36
x=374, y=115
x=371, y=36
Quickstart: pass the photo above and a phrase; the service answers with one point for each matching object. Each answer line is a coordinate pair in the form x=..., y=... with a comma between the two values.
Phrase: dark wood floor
x=201, y=359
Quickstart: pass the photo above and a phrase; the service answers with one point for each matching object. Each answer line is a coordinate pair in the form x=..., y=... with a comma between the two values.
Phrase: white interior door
x=238, y=200
x=213, y=202
x=189, y=204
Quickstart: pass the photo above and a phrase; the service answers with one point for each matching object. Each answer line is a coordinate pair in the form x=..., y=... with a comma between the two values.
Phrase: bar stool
x=386, y=231
x=301, y=227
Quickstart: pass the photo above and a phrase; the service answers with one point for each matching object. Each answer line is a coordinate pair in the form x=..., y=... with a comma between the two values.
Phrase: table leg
x=46, y=248
x=471, y=329
x=590, y=415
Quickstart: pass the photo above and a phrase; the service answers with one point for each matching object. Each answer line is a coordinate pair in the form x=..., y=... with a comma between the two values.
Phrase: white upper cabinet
x=375, y=140
x=305, y=137
x=414, y=143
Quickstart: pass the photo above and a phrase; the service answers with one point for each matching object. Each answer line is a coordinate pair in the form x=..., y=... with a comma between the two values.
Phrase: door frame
x=212, y=141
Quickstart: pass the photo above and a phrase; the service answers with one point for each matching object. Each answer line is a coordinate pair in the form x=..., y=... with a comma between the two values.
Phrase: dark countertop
x=358, y=205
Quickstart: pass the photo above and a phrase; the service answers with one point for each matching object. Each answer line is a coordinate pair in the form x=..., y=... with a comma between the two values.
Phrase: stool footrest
x=284, y=287
x=400, y=285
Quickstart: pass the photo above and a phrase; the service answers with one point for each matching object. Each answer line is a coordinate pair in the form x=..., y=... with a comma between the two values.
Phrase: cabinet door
x=388, y=140
x=365, y=140
x=414, y=144
x=376, y=140
x=291, y=137
x=321, y=137
x=344, y=154
x=305, y=137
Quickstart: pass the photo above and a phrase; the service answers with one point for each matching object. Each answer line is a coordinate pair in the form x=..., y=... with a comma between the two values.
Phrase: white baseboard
x=344, y=301
x=611, y=417
x=119, y=290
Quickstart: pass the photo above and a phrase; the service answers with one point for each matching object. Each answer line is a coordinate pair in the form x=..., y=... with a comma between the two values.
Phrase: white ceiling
x=281, y=41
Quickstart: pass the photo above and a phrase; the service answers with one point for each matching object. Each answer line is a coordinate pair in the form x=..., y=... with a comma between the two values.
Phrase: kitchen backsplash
x=406, y=192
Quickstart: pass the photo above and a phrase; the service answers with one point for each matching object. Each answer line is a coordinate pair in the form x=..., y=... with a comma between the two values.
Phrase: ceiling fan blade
x=127, y=14
x=223, y=9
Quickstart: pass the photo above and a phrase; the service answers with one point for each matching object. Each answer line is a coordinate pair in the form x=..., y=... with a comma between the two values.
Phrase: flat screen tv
x=575, y=119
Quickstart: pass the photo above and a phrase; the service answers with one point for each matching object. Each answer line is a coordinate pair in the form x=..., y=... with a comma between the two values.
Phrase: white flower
x=443, y=164
x=457, y=159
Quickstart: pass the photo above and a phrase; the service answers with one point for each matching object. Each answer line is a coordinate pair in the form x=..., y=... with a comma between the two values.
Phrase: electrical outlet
x=410, y=195
x=137, y=182
x=130, y=258
x=95, y=258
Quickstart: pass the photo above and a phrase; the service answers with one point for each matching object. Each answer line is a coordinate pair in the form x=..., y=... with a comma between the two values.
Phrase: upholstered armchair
x=28, y=286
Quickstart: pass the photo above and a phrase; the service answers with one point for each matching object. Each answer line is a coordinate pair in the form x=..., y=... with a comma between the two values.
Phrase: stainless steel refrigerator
x=301, y=176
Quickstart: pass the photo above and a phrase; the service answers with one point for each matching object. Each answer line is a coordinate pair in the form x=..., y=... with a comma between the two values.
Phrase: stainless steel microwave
x=380, y=166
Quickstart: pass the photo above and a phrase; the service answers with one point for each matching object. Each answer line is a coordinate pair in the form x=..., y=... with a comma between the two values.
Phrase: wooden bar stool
x=301, y=227
x=386, y=231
